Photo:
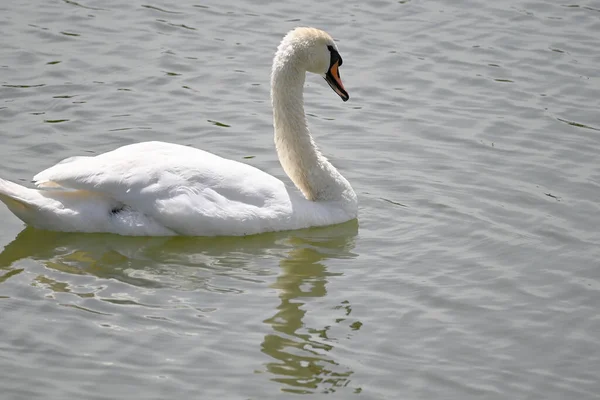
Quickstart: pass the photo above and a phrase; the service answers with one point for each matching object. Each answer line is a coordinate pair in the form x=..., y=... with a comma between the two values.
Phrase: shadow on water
x=301, y=353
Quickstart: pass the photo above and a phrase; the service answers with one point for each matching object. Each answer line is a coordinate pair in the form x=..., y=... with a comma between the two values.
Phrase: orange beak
x=333, y=78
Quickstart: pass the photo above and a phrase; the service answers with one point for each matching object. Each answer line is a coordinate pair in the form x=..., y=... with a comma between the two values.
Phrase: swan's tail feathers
x=25, y=203
x=65, y=210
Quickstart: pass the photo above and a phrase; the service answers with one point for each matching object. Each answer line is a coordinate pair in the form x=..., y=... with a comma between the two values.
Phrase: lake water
x=471, y=137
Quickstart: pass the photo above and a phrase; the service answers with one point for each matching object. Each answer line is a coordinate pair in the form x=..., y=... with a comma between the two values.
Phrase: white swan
x=157, y=188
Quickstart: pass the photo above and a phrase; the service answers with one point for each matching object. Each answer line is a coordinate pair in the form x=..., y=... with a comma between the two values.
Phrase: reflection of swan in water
x=185, y=263
x=303, y=355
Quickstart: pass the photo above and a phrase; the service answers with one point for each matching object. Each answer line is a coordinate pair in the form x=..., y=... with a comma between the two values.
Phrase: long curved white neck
x=299, y=155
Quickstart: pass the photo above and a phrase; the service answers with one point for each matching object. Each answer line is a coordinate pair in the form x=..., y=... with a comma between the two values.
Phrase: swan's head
x=316, y=51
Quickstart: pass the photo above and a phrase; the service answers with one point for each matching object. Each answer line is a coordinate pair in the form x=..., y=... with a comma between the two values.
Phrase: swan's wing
x=135, y=167
x=187, y=190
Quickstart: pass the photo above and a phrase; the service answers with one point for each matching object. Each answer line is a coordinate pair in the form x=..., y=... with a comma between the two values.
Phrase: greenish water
x=470, y=137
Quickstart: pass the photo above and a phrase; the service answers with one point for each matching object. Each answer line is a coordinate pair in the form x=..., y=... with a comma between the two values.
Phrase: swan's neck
x=299, y=155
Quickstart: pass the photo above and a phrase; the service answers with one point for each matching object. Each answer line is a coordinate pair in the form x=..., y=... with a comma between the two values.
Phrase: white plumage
x=157, y=188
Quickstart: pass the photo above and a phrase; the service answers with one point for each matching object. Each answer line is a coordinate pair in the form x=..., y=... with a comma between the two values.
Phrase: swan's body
x=157, y=188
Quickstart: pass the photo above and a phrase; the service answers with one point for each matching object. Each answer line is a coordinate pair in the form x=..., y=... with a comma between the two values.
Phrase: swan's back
x=187, y=190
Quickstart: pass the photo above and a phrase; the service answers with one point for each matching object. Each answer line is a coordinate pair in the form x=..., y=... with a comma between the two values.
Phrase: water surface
x=471, y=138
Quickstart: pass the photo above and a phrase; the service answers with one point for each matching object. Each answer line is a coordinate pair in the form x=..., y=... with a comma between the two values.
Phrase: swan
x=165, y=189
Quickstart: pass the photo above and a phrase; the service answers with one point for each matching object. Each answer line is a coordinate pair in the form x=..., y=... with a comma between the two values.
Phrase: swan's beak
x=333, y=78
